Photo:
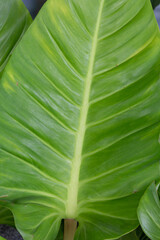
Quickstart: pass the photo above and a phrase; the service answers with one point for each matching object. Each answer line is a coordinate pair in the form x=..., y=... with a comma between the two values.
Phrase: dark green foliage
x=155, y=3
x=141, y=235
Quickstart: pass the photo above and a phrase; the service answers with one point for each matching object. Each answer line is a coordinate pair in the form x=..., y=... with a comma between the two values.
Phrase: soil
x=9, y=233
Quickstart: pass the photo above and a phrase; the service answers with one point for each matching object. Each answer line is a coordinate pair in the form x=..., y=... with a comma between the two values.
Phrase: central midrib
x=71, y=205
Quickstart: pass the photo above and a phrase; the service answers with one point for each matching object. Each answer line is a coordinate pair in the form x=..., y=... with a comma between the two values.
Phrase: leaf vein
x=34, y=167
x=40, y=138
x=61, y=53
x=47, y=111
x=120, y=139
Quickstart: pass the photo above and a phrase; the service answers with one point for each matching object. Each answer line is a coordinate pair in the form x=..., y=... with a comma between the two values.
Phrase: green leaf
x=79, y=107
x=149, y=213
x=6, y=216
x=1, y=238
x=130, y=236
x=155, y=3
x=14, y=21
x=137, y=234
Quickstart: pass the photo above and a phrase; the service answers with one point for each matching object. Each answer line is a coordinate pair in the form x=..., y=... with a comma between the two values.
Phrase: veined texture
x=80, y=118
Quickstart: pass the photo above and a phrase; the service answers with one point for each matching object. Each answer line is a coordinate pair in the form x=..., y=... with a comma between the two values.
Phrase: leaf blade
x=15, y=20
x=51, y=81
x=148, y=212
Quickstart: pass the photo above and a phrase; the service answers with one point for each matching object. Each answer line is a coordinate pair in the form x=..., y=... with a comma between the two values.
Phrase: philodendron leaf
x=79, y=107
x=149, y=213
x=14, y=21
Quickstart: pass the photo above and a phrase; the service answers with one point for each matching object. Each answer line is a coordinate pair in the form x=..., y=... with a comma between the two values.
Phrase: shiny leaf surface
x=149, y=213
x=14, y=21
x=80, y=118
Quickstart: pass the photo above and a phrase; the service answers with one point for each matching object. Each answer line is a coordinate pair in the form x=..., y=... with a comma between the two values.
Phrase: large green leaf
x=80, y=118
x=149, y=213
x=14, y=21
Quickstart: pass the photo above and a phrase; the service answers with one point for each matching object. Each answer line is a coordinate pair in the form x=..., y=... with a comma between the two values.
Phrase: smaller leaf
x=14, y=21
x=130, y=236
x=137, y=234
x=6, y=216
x=149, y=213
x=1, y=238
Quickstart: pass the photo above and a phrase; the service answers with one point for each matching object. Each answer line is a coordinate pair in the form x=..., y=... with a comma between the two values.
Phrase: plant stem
x=70, y=226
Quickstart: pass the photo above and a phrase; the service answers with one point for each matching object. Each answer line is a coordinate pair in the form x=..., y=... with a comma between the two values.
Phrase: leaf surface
x=14, y=21
x=137, y=234
x=1, y=238
x=80, y=118
x=149, y=213
x=130, y=236
x=6, y=216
